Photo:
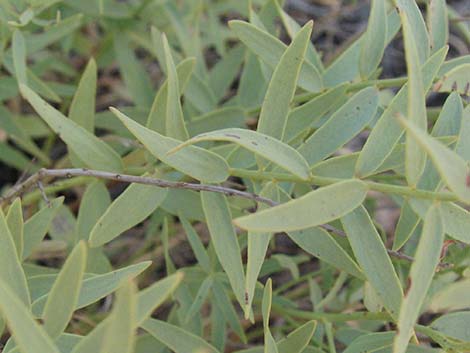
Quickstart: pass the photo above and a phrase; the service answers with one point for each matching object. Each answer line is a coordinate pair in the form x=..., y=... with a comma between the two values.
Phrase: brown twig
x=37, y=179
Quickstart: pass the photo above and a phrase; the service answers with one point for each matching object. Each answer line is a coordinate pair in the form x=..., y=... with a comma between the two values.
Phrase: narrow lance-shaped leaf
x=372, y=256
x=453, y=169
x=194, y=161
x=82, y=108
x=137, y=202
x=454, y=325
x=63, y=296
x=256, y=250
x=156, y=119
x=375, y=39
x=120, y=334
x=387, y=132
x=438, y=24
x=196, y=244
x=175, y=126
x=28, y=334
x=270, y=50
x=269, y=343
x=19, y=56
x=343, y=125
x=457, y=79
x=11, y=271
x=421, y=273
x=317, y=207
x=152, y=297
x=92, y=151
x=275, y=109
x=224, y=239
x=417, y=27
x=201, y=296
x=177, y=339
x=15, y=224
x=263, y=145
x=415, y=158
x=297, y=340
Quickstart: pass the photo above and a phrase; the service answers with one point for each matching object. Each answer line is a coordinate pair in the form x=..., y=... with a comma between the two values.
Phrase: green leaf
x=453, y=169
x=275, y=109
x=270, y=50
x=372, y=256
x=135, y=78
x=454, y=325
x=228, y=117
x=317, y=207
x=456, y=80
x=15, y=224
x=417, y=27
x=438, y=24
x=387, y=132
x=119, y=217
x=303, y=116
x=82, y=108
x=341, y=127
x=374, y=41
x=194, y=161
x=92, y=151
x=421, y=273
x=269, y=343
x=415, y=157
x=19, y=56
x=371, y=342
x=177, y=339
x=224, y=239
x=175, y=126
x=120, y=333
x=322, y=245
x=37, y=226
x=28, y=334
x=263, y=145
x=63, y=297
x=155, y=295
x=157, y=116
x=99, y=286
x=453, y=296
x=11, y=271
x=297, y=340
x=196, y=244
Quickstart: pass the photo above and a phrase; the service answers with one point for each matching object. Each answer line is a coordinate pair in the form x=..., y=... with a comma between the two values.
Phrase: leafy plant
x=234, y=157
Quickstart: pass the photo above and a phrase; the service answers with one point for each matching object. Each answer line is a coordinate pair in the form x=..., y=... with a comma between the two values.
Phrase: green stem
x=323, y=181
x=332, y=317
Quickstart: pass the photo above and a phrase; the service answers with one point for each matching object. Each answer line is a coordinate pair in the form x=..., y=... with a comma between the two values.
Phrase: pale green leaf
x=196, y=244
x=263, y=145
x=120, y=333
x=375, y=39
x=281, y=89
x=322, y=245
x=37, y=226
x=342, y=126
x=224, y=239
x=438, y=24
x=372, y=256
x=15, y=224
x=421, y=273
x=270, y=50
x=415, y=157
x=155, y=295
x=297, y=340
x=175, y=126
x=91, y=150
x=387, y=131
x=28, y=334
x=453, y=169
x=134, y=205
x=194, y=161
x=156, y=119
x=82, y=108
x=317, y=207
x=457, y=79
x=177, y=339
x=269, y=343
x=453, y=296
x=19, y=56
x=63, y=297
x=228, y=117
x=11, y=271
x=455, y=325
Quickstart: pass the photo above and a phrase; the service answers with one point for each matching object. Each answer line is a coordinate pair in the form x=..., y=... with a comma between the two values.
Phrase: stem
x=333, y=317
